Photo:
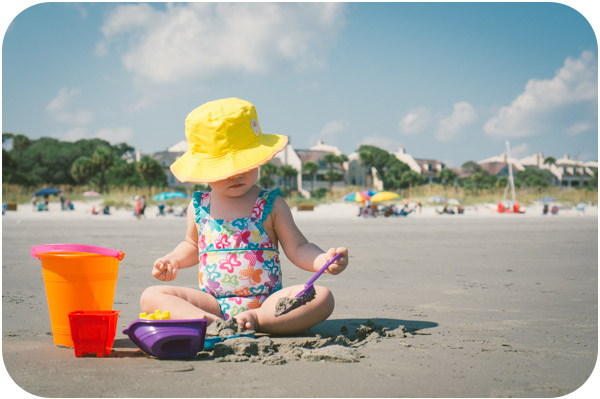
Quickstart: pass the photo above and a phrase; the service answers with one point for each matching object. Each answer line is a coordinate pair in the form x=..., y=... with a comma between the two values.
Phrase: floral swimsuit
x=239, y=264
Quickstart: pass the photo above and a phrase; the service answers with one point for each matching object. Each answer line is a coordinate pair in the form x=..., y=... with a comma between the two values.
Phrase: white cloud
x=333, y=128
x=73, y=134
x=59, y=108
x=115, y=135
x=415, y=121
x=198, y=40
x=547, y=105
x=112, y=135
x=385, y=143
x=519, y=151
x=578, y=128
x=450, y=128
x=329, y=132
x=59, y=102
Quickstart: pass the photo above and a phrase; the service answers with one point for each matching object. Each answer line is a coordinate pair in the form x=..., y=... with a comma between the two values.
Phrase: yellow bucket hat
x=224, y=139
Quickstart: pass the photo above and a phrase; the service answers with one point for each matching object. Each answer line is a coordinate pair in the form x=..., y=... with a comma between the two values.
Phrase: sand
x=475, y=305
x=287, y=304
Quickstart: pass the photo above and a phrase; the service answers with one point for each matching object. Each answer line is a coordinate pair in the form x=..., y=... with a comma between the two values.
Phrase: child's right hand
x=165, y=269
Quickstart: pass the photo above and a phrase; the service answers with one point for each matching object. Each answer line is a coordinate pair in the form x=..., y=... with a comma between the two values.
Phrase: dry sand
x=476, y=305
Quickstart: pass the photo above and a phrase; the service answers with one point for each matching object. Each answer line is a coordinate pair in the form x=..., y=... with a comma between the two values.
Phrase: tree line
x=93, y=162
x=397, y=175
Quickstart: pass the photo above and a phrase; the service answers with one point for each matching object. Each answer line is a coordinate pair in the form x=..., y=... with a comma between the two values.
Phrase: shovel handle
x=325, y=266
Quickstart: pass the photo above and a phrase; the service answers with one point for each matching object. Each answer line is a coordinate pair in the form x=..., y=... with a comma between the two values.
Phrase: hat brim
x=200, y=168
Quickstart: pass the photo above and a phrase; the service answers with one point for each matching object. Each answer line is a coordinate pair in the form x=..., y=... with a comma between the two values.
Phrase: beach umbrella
x=384, y=196
x=47, y=191
x=167, y=195
x=437, y=199
x=370, y=192
x=454, y=202
x=92, y=194
x=548, y=199
x=355, y=196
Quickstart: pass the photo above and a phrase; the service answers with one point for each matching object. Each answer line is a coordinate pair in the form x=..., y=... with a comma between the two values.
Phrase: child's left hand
x=340, y=264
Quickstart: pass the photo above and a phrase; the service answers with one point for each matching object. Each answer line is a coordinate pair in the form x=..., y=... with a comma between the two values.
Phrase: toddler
x=234, y=231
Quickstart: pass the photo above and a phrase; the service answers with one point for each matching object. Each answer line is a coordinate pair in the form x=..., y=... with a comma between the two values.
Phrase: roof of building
x=494, y=168
x=311, y=155
x=321, y=146
x=182, y=146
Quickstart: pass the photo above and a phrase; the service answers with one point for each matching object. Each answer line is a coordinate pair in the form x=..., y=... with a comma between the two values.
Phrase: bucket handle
x=40, y=249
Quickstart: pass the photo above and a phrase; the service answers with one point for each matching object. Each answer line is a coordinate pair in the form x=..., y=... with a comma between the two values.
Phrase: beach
x=474, y=305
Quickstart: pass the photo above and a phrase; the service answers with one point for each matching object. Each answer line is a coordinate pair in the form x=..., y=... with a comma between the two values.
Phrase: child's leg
x=181, y=302
x=306, y=316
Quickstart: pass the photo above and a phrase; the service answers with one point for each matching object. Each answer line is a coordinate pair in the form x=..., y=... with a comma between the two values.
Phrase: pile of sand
x=342, y=348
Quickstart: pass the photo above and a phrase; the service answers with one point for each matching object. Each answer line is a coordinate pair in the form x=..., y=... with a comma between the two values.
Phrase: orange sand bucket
x=77, y=277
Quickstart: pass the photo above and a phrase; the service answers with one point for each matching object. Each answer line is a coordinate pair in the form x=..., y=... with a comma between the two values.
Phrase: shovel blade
x=286, y=305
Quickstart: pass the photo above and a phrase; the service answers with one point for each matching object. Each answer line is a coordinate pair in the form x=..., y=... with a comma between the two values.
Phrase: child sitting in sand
x=235, y=229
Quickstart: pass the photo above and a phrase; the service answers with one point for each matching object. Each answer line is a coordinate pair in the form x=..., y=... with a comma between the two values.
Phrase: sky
x=448, y=81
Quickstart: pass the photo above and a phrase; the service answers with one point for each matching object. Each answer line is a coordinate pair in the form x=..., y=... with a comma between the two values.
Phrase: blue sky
x=449, y=81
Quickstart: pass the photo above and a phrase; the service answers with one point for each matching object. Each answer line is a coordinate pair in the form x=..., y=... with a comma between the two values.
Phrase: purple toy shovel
x=287, y=304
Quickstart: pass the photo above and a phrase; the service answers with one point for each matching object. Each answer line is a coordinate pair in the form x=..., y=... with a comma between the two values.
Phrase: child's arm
x=184, y=255
x=298, y=249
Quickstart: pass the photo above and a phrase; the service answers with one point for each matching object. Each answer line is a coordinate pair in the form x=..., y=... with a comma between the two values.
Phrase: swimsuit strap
x=264, y=204
x=201, y=201
x=261, y=209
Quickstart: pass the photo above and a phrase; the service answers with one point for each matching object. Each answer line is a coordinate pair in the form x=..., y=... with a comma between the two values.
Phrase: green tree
x=123, y=173
x=447, y=176
x=533, y=177
x=550, y=161
x=331, y=160
x=8, y=167
x=287, y=173
x=394, y=170
x=103, y=158
x=82, y=170
x=311, y=169
x=411, y=178
x=471, y=167
x=20, y=143
x=374, y=157
x=266, y=175
x=151, y=172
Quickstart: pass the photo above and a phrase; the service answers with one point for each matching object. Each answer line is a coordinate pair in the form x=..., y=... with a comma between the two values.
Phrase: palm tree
x=150, y=170
x=447, y=176
x=20, y=143
x=331, y=159
x=82, y=170
x=311, y=169
x=411, y=178
x=266, y=171
x=102, y=159
x=287, y=173
x=550, y=161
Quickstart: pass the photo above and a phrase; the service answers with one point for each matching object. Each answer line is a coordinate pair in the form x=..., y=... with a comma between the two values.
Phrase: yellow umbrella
x=384, y=196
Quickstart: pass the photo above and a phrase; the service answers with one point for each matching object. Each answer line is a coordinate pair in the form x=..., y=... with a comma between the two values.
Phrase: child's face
x=237, y=185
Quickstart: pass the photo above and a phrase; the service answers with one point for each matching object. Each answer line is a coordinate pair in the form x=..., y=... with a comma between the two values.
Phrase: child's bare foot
x=248, y=319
